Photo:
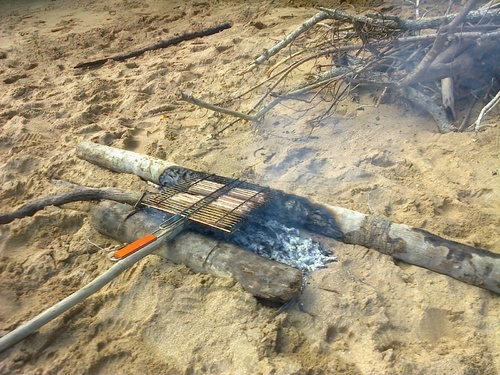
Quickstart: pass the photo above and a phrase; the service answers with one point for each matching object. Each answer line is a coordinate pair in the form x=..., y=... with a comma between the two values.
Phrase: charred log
x=259, y=276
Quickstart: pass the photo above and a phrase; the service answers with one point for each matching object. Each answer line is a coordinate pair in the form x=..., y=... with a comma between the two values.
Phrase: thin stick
x=162, y=44
x=201, y=103
x=40, y=320
x=465, y=121
x=488, y=107
x=286, y=59
x=219, y=132
x=285, y=42
x=299, y=90
x=380, y=97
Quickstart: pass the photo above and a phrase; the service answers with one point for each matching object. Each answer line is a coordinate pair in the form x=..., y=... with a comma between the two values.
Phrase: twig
x=219, y=132
x=162, y=44
x=82, y=194
x=286, y=59
x=465, y=121
x=285, y=42
x=379, y=99
x=291, y=95
x=200, y=103
x=488, y=107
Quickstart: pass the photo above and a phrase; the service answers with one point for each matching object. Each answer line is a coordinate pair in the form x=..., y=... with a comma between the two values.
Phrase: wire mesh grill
x=215, y=201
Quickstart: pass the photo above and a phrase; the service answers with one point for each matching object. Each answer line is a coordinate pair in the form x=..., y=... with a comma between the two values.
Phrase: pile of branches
x=444, y=65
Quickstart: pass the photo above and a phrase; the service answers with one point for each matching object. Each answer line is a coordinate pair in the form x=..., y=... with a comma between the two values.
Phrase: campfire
x=230, y=210
x=220, y=204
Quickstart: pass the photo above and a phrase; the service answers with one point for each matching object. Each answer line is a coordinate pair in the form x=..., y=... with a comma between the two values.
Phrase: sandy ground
x=364, y=314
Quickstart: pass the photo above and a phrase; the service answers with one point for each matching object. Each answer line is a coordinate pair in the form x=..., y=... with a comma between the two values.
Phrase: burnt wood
x=259, y=276
x=81, y=194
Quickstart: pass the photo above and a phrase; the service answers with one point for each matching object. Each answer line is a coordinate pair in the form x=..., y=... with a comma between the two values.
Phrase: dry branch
x=382, y=44
x=444, y=33
x=397, y=23
x=285, y=42
x=82, y=194
x=426, y=103
x=488, y=107
x=162, y=44
x=468, y=264
x=382, y=21
x=200, y=103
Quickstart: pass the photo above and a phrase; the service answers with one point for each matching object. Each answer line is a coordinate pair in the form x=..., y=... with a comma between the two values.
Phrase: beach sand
x=364, y=314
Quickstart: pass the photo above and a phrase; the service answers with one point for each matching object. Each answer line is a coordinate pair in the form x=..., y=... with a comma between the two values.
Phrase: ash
x=273, y=240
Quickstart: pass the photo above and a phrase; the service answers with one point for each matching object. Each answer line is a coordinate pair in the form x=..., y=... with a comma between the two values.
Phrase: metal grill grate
x=214, y=201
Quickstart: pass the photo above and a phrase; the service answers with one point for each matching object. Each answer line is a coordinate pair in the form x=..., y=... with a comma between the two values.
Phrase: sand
x=364, y=314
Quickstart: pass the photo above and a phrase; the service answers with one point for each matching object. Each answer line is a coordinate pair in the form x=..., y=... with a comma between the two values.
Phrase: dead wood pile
x=446, y=65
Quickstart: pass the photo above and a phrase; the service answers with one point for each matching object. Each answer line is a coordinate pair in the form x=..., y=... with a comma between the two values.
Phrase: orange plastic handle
x=134, y=246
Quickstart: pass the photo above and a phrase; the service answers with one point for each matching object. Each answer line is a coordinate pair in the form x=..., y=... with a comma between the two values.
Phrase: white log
x=146, y=167
x=416, y=246
x=448, y=97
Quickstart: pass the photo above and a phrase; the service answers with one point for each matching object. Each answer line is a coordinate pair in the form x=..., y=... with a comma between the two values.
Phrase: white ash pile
x=276, y=241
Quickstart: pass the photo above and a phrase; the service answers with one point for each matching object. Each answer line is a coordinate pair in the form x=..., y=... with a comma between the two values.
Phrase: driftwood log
x=413, y=245
x=259, y=276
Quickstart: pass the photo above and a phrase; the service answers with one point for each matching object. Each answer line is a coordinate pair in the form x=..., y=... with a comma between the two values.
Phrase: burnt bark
x=259, y=276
